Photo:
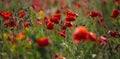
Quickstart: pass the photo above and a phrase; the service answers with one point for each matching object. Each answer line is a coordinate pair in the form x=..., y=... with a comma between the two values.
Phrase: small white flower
x=93, y=55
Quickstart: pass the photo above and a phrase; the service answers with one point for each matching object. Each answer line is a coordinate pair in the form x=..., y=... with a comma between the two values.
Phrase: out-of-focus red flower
x=80, y=33
x=6, y=14
x=43, y=42
x=94, y=13
x=56, y=18
x=61, y=57
x=115, y=13
x=9, y=37
x=50, y=26
x=63, y=5
x=12, y=23
x=101, y=20
x=62, y=33
x=58, y=11
x=6, y=22
x=78, y=5
x=71, y=13
x=6, y=1
x=104, y=2
x=20, y=36
x=70, y=18
x=63, y=27
x=102, y=40
x=56, y=55
x=92, y=37
x=112, y=33
x=68, y=24
x=1, y=12
x=21, y=13
x=37, y=5
x=117, y=2
x=39, y=22
x=86, y=13
x=26, y=23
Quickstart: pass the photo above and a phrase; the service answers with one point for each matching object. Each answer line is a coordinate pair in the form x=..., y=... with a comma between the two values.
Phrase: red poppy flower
x=61, y=57
x=37, y=5
x=70, y=18
x=112, y=33
x=56, y=18
x=78, y=5
x=92, y=37
x=117, y=2
x=12, y=23
x=1, y=12
x=63, y=33
x=115, y=13
x=6, y=14
x=21, y=13
x=43, y=42
x=50, y=25
x=63, y=27
x=56, y=55
x=26, y=23
x=6, y=1
x=58, y=11
x=80, y=33
x=71, y=13
x=63, y=4
x=102, y=40
x=68, y=24
x=6, y=22
x=94, y=14
x=104, y=2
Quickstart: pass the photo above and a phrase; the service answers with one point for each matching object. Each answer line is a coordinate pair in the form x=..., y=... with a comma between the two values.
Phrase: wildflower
x=92, y=37
x=26, y=23
x=94, y=14
x=80, y=33
x=68, y=24
x=56, y=18
x=1, y=12
x=21, y=13
x=102, y=40
x=104, y=2
x=50, y=25
x=117, y=2
x=63, y=27
x=71, y=13
x=62, y=33
x=40, y=15
x=112, y=33
x=58, y=11
x=6, y=14
x=43, y=42
x=61, y=57
x=70, y=18
x=115, y=13
x=20, y=36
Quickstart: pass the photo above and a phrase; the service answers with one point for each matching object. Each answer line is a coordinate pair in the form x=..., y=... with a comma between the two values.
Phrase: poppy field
x=59, y=29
